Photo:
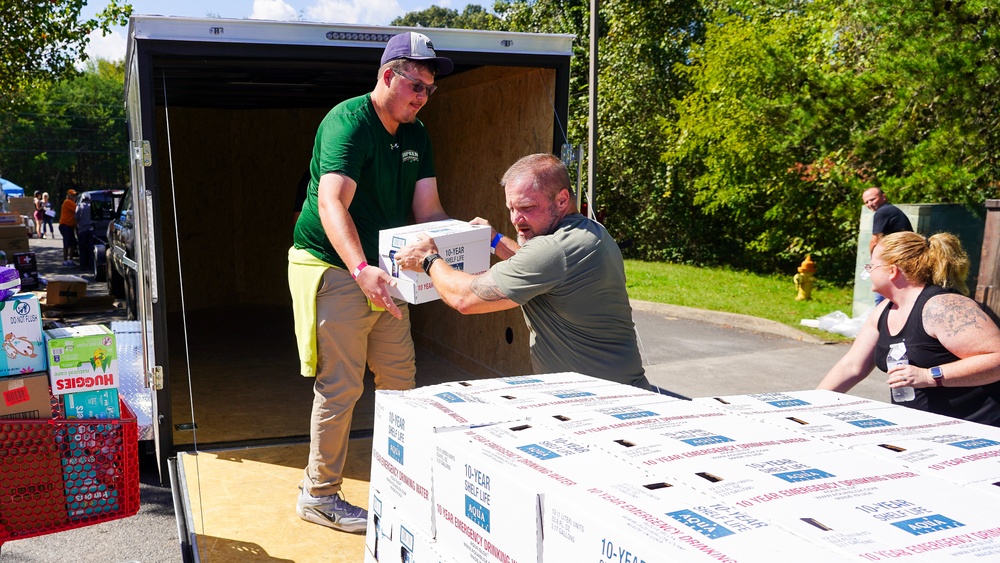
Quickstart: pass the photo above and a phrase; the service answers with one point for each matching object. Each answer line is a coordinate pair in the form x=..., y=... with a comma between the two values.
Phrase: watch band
x=357, y=271
x=431, y=258
x=938, y=375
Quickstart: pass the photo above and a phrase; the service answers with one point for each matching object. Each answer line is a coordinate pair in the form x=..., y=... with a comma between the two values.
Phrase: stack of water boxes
x=62, y=373
x=564, y=467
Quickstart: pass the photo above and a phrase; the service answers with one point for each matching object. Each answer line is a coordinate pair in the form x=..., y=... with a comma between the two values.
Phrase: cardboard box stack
x=52, y=474
x=563, y=467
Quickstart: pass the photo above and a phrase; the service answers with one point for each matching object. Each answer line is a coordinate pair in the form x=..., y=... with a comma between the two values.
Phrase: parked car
x=103, y=204
x=119, y=256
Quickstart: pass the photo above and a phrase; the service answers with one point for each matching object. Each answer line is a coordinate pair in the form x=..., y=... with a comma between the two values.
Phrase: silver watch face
x=936, y=373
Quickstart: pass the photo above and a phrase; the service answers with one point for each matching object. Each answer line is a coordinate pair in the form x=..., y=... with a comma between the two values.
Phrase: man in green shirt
x=372, y=167
x=564, y=270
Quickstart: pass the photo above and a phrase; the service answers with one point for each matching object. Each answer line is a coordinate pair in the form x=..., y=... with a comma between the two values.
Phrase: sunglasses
x=418, y=86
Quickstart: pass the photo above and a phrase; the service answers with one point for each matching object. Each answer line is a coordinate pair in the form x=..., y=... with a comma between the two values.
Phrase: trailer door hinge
x=140, y=151
x=157, y=378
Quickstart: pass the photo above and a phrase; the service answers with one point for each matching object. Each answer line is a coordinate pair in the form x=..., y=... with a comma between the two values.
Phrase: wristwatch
x=430, y=260
x=938, y=376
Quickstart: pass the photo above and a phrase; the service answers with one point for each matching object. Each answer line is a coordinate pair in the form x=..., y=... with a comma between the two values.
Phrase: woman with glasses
x=952, y=347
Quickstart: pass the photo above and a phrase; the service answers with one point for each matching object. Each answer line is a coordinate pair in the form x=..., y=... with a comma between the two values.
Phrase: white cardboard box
x=490, y=485
x=970, y=454
x=21, y=321
x=849, y=427
x=554, y=400
x=642, y=522
x=689, y=437
x=404, y=444
x=868, y=508
x=788, y=401
x=523, y=383
x=464, y=246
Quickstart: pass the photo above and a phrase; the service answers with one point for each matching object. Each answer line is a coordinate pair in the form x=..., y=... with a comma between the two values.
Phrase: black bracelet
x=430, y=260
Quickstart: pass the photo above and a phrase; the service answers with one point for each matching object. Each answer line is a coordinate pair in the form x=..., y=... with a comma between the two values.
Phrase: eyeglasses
x=869, y=266
x=418, y=86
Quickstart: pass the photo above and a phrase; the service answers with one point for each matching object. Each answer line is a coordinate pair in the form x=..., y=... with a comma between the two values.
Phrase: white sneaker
x=332, y=511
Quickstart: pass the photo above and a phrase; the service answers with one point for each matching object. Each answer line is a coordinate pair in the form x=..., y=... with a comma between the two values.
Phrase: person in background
x=47, y=215
x=888, y=219
x=564, y=270
x=372, y=168
x=67, y=226
x=39, y=214
x=85, y=232
x=952, y=346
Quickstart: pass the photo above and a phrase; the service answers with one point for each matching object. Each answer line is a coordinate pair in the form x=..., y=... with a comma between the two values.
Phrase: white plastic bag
x=838, y=322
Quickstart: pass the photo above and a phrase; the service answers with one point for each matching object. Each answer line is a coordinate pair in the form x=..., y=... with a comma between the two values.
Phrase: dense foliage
x=70, y=134
x=796, y=107
x=44, y=39
x=731, y=132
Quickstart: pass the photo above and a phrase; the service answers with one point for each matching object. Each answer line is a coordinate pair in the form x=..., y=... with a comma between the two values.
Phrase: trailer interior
x=230, y=127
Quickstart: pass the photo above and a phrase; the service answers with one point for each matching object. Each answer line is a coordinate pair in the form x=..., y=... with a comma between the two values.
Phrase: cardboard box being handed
x=465, y=247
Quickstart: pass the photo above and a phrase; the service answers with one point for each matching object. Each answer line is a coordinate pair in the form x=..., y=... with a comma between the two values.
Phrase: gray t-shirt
x=571, y=287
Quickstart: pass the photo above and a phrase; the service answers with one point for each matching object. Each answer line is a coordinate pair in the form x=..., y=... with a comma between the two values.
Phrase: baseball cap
x=417, y=47
x=70, y=192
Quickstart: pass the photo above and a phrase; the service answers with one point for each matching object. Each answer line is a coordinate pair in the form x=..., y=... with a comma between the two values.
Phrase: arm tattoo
x=951, y=314
x=486, y=289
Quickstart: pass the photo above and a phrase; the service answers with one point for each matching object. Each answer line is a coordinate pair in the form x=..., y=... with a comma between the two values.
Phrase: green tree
x=70, y=134
x=799, y=106
x=43, y=40
x=472, y=17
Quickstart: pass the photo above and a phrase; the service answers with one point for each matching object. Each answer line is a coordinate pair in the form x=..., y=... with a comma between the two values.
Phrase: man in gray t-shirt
x=564, y=270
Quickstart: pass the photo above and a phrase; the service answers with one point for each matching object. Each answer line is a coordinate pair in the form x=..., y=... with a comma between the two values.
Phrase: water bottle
x=897, y=356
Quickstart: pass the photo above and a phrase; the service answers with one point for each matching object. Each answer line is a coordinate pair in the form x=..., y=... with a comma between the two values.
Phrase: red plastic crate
x=58, y=474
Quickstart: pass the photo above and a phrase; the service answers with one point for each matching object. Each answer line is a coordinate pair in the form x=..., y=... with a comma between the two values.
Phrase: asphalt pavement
x=688, y=352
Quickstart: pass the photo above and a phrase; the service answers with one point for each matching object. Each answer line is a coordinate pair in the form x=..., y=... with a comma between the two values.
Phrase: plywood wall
x=234, y=173
x=234, y=176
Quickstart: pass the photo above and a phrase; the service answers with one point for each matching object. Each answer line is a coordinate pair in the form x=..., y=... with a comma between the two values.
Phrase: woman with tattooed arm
x=952, y=348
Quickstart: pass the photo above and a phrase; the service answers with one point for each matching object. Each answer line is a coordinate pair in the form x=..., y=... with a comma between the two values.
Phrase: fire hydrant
x=804, y=279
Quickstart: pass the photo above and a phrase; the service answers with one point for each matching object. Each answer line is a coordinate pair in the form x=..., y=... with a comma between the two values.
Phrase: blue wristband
x=496, y=241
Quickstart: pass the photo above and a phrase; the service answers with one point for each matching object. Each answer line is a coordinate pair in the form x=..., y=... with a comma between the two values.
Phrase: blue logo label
x=803, y=475
x=927, y=524
x=871, y=423
x=450, y=398
x=535, y=450
x=22, y=308
x=785, y=403
x=520, y=381
x=974, y=444
x=706, y=440
x=572, y=395
x=478, y=513
x=634, y=414
x=396, y=451
x=700, y=524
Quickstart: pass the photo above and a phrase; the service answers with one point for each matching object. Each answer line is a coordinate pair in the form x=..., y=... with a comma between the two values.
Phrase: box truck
x=221, y=117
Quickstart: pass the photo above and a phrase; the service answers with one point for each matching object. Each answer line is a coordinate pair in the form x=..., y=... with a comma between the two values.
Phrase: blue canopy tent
x=10, y=189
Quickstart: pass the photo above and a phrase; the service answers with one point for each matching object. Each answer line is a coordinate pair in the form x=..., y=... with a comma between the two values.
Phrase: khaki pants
x=350, y=334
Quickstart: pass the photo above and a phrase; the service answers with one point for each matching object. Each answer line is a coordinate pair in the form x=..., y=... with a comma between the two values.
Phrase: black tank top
x=976, y=404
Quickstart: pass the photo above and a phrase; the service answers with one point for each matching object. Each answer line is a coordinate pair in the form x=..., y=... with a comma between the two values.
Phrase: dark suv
x=103, y=204
x=119, y=264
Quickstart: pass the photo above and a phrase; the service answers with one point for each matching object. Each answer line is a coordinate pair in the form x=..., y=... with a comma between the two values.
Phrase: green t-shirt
x=352, y=141
x=571, y=287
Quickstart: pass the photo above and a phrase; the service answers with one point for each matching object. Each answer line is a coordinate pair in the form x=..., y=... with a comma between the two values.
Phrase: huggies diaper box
x=81, y=358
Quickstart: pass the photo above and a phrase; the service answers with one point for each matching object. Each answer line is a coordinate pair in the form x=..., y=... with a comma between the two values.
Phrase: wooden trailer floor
x=239, y=381
x=242, y=506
